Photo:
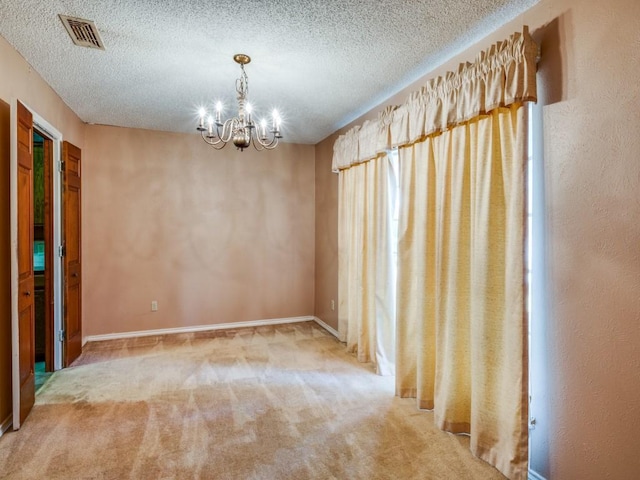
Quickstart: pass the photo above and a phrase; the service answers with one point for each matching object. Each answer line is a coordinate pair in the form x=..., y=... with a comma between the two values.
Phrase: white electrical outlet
x=154, y=305
x=333, y=305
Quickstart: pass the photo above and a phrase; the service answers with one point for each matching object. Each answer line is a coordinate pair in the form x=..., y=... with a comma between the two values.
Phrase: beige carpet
x=282, y=402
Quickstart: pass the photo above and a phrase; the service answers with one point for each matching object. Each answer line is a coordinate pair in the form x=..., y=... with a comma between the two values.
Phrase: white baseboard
x=533, y=475
x=198, y=328
x=327, y=327
x=6, y=425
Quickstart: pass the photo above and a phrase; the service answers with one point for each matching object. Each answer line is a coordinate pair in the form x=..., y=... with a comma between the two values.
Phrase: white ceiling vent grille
x=83, y=32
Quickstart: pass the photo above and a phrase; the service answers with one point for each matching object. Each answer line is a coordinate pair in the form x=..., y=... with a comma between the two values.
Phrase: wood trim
x=198, y=328
x=6, y=424
x=327, y=327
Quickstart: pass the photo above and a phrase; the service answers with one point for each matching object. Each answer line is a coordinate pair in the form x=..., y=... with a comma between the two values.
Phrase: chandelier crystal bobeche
x=241, y=130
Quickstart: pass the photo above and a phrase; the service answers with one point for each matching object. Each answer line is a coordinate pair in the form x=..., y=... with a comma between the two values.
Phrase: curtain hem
x=514, y=469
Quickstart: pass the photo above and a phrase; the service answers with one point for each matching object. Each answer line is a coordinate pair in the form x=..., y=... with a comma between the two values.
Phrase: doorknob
x=74, y=275
x=27, y=293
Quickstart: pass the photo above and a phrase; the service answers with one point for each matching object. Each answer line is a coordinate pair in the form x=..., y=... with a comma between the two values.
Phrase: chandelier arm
x=268, y=145
x=210, y=141
x=219, y=138
x=274, y=139
x=262, y=147
x=218, y=146
x=211, y=137
x=227, y=130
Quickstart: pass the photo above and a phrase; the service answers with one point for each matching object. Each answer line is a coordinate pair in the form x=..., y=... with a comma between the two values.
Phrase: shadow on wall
x=553, y=38
x=553, y=87
x=5, y=264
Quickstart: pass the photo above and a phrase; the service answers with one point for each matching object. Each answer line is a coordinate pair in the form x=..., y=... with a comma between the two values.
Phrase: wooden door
x=72, y=253
x=26, y=305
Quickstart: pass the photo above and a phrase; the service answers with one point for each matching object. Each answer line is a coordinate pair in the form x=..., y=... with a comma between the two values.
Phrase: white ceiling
x=321, y=63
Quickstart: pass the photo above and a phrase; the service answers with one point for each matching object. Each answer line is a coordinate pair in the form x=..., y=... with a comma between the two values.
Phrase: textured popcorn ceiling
x=321, y=63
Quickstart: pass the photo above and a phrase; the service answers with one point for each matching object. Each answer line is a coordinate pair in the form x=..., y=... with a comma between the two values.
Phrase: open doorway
x=43, y=256
x=53, y=247
x=47, y=242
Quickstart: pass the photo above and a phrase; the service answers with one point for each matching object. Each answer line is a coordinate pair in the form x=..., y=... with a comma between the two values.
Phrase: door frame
x=48, y=130
x=54, y=134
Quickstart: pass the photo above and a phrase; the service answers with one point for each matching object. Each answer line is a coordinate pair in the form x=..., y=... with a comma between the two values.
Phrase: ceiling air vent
x=83, y=32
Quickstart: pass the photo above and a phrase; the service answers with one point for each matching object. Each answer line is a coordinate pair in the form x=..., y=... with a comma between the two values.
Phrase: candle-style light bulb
x=276, y=123
x=263, y=129
x=201, y=114
x=248, y=109
x=210, y=122
x=218, y=112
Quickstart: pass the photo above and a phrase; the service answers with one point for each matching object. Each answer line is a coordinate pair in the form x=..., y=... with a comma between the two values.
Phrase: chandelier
x=241, y=130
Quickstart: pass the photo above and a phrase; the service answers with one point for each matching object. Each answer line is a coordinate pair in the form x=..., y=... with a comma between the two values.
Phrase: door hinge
x=61, y=251
x=61, y=166
x=61, y=334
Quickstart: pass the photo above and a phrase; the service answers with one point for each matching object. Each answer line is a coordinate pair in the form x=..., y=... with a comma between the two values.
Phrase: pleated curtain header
x=502, y=75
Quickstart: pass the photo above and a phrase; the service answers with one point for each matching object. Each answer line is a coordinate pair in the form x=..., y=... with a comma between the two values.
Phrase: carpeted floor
x=281, y=402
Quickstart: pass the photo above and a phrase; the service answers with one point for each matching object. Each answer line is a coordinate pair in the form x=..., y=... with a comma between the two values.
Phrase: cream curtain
x=461, y=319
x=461, y=324
x=500, y=76
x=366, y=294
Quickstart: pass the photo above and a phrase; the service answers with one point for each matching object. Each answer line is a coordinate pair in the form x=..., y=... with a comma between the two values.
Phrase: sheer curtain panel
x=366, y=303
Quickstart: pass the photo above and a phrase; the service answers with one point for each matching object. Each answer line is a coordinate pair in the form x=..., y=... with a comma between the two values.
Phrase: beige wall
x=590, y=100
x=326, y=251
x=212, y=236
x=19, y=81
x=5, y=267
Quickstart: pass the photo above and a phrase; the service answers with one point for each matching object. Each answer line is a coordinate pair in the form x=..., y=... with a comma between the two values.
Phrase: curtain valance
x=501, y=75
